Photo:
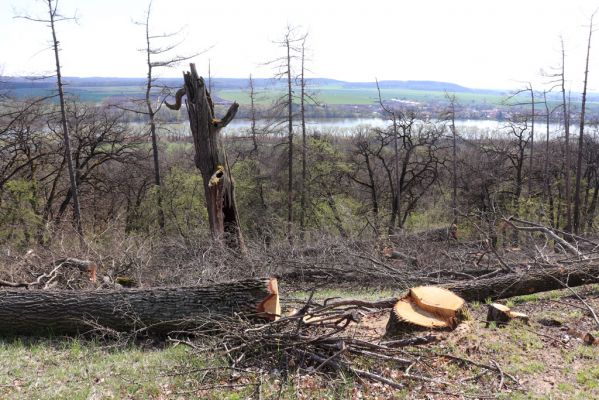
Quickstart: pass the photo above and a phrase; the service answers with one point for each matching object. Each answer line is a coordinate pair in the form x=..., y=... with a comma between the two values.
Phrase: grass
x=76, y=369
x=363, y=294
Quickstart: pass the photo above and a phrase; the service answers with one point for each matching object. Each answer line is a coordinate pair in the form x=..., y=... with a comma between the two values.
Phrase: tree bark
x=211, y=158
x=155, y=310
x=533, y=281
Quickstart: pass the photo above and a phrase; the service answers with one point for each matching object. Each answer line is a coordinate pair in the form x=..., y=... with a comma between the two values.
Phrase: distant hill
x=22, y=84
x=418, y=85
x=328, y=91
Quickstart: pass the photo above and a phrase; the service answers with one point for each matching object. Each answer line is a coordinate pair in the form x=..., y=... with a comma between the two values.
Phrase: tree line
x=86, y=166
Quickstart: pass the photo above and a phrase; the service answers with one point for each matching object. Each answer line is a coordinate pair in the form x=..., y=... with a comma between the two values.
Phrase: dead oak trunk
x=211, y=158
x=155, y=310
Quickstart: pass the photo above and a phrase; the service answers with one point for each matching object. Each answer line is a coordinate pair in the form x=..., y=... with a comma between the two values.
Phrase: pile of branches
x=319, y=339
x=69, y=270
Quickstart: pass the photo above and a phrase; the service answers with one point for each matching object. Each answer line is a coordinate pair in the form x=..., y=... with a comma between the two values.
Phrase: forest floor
x=541, y=360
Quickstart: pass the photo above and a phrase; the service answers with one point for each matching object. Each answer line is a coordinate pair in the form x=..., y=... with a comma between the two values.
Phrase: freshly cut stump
x=502, y=314
x=154, y=310
x=425, y=308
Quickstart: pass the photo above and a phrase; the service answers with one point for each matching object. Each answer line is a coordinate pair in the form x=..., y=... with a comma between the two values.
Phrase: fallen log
x=537, y=280
x=501, y=287
x=154, y=310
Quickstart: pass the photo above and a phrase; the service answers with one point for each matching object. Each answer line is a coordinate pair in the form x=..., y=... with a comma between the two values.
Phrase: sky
x=475, y=43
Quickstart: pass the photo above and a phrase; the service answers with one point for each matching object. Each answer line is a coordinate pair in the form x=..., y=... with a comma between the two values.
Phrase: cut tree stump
x=425, y=308
x=155, y=310
x=502, y=314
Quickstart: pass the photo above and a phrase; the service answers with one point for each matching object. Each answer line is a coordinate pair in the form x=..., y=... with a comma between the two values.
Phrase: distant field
x=361, y=96
x=325, y=91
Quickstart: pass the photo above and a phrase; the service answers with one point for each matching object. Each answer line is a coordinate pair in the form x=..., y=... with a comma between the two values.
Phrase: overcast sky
x=475, y=43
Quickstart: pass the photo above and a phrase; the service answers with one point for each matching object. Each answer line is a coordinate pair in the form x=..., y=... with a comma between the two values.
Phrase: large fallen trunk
x=505, y=286
x=530, y=281
x=155, y=310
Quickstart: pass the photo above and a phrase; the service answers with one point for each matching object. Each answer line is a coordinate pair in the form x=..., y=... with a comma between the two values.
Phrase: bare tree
x=394, y=116
x=363, y=159
x=566, y=118
x=532, y=138
x=454, y=174
x=54, y=17
x=581, y=133
x=285, y=65
x=546, y=175
x=304, y=98
x=253, y=116
x=158, y=56
x=303, y=123
x=532, y=103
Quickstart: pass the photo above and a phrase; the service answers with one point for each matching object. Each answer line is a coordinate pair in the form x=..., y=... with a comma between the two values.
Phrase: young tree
x=532, y=103
x=304, y=97
x=54, y=17
x=454, y=169
x=394, y=116
x=285, y=65
x=157, y=56
x=532, y=137
x=546, y=174
x=365, y=151
x=566, y=120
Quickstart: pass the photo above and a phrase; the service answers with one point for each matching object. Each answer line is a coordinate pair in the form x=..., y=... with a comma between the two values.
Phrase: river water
x=348, y=126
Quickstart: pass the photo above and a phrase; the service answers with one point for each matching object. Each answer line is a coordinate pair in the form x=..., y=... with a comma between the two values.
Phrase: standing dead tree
x=577, y=219
x=285, y=67
x=211, y=158
x=566, y=114
x=53, y=17
x=450, y=114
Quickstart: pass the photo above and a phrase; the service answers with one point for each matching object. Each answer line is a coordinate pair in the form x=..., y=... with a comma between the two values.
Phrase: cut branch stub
x=424, y=308
x=502, y=314
x=270, y=307
x=178, y=96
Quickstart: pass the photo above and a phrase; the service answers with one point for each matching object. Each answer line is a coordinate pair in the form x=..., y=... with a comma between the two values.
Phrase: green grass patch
x=589, y=377
x=362, y=294
x=76, y=369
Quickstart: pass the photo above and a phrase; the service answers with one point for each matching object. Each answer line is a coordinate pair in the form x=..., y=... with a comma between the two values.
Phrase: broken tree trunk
x=156, y=310
x=531, y=281
x=211, y=158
